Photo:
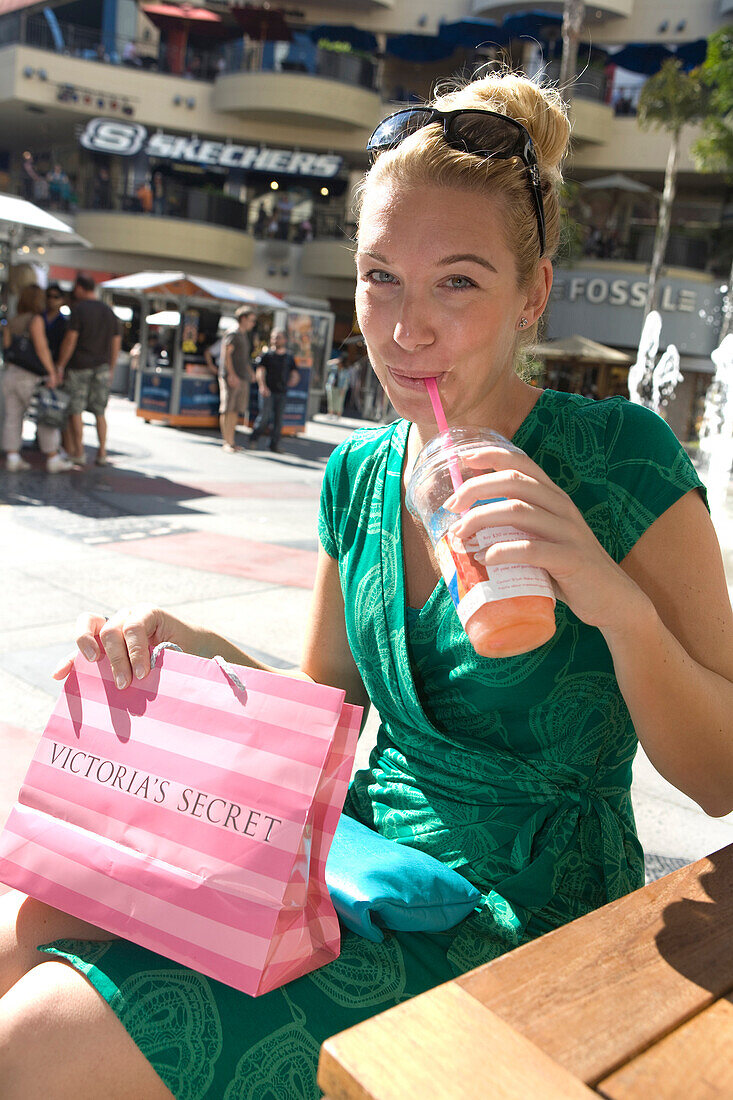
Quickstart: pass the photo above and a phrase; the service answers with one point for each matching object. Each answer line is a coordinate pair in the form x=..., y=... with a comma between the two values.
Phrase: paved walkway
x=227, y=540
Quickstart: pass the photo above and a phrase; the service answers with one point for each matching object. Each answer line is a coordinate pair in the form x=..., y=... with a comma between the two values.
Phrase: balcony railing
x=684, y=249
x=88, y=44
x=322, y=224
x=168, y=199
x=347, y=67
x=240, y=55
x=589, y=84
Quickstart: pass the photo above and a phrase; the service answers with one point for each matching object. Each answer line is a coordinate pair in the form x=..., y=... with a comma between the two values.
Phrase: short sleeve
x=348, y=491
x=327, y=509
x=648, y=470
x=75, y=320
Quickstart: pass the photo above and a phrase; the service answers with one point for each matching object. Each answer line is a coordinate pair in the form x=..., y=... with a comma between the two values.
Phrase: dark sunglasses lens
x=486, y=135
x=397, y=128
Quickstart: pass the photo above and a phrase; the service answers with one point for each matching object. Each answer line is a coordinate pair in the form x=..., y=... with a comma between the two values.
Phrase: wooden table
x=632, y=1001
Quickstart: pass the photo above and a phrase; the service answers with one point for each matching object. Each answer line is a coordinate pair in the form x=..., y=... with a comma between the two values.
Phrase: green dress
x=515, y=771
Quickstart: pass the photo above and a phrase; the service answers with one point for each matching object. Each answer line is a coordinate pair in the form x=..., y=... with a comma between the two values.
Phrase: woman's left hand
x=552, y=534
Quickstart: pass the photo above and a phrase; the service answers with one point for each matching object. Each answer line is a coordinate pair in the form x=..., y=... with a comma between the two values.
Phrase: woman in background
x=20, y=384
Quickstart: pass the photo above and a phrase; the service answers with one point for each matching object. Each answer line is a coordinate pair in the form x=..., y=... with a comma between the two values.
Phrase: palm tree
x=670, y=100
x=573, y=16
x=714, y=150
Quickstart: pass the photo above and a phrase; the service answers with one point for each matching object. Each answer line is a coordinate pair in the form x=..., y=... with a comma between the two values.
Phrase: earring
x=523, y=322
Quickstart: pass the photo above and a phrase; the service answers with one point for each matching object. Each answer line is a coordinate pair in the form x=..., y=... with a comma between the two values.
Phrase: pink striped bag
x=191, y=813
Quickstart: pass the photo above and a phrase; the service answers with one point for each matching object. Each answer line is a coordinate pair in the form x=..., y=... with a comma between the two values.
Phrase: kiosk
x=174, y=383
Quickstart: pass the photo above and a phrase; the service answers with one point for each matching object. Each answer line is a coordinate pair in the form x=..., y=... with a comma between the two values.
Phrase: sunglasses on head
x=483, y=133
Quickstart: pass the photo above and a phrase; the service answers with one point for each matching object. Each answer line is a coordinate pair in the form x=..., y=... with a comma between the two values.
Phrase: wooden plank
x=694, y=1062
x=597, y=992
x=440, y=1044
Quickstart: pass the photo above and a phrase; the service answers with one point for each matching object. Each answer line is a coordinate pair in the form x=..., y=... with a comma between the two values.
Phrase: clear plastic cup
x=505, y=609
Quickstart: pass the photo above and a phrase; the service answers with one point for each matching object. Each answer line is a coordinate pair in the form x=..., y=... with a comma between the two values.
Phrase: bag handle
x=232, y=677
x=227, y=669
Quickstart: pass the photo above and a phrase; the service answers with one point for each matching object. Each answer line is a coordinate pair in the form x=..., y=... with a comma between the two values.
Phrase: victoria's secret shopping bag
x=191, y=813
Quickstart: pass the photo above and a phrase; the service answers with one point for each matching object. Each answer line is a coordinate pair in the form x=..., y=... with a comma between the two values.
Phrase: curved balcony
x=328, y=259
x=494, y=8
x=165, y=239
x=591, y=120
x=297, y=99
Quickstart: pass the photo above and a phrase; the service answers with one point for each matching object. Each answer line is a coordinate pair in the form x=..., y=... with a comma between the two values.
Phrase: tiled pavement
x=226, y=540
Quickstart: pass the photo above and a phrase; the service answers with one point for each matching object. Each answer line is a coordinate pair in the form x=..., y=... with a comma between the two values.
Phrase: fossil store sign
x=127, y=139
x=607, y=306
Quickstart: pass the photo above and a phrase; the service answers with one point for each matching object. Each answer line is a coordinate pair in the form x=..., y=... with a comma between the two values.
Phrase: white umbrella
x=179, y=284
x=581, y=349
x=618, y=182
x=623, y=189
x=22, y=224
x=166, y=317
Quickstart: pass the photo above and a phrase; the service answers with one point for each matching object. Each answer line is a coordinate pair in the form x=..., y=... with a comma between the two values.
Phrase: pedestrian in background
x=21, y=380
x=86, y=362
x=158, y=188
x=275, y=372
x=235, y=376
x=59, y=188
x=102, y=195
x=55, y=322
x=337, y=380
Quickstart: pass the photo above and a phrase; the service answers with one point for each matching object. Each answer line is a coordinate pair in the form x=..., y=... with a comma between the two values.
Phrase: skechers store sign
x=127, y=139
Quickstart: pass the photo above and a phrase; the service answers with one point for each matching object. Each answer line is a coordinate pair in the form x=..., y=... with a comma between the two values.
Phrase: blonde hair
x=424, y=158
x=32, y=299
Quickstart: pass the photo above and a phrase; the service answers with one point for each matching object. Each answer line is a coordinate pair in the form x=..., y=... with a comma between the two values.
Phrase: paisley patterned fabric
x=515, y=771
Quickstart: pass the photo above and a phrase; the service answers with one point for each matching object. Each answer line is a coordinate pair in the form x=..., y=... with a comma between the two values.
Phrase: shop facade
x=605, y=301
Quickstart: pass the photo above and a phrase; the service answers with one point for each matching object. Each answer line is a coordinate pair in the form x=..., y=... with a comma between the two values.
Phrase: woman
x=336, y=383
x=19, y=385
x=515, y=771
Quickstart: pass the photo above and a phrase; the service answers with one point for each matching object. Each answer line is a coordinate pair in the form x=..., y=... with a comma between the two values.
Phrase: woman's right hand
x=126, y=638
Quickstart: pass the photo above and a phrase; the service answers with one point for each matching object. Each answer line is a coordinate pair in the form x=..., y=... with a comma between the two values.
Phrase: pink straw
x=432, y=388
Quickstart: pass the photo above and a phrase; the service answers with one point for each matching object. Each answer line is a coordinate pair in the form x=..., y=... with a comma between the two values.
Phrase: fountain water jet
x=642, y=371
x=716, y=431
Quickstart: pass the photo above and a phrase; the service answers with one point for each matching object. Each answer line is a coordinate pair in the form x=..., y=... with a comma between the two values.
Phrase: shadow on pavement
x=297, y=448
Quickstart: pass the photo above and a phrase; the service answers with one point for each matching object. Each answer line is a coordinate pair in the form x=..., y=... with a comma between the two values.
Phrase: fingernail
x=450, y=503
x=121, y=681
x=89, y=652
x=139, y=672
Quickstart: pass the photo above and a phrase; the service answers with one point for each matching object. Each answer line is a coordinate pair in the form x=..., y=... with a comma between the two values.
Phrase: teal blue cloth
x=376, y=884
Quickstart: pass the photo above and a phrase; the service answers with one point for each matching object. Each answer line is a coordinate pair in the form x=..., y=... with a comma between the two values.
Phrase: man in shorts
x=235, y=375
x=86, y=361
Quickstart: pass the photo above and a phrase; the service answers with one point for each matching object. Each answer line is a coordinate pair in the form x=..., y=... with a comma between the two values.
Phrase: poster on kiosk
x=182, y=321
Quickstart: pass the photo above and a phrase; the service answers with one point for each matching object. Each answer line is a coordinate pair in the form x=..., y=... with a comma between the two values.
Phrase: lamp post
x=573, y=16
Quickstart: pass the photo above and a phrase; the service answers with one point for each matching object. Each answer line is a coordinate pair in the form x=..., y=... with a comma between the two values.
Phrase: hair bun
x=540, y=108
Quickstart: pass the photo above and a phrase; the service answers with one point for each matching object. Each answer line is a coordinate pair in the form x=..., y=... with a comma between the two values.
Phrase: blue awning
x=468, y=34
x=419, y=47
x=640, y=57
x=334, y=32
x=531, y=24
x=692, y=54
x=648, y=57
